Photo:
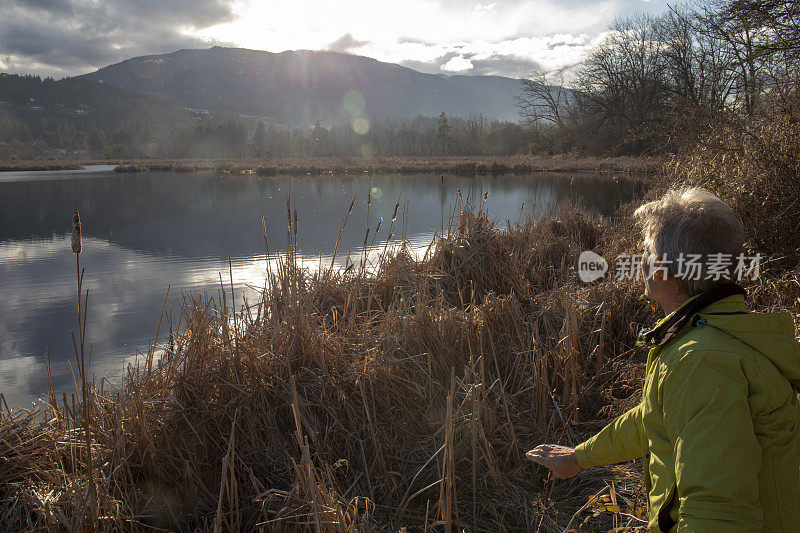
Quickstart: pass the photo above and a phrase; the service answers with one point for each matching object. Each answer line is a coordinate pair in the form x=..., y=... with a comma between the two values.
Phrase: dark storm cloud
x=72, y=36
x=54, y=6
x=504, y=65
x=346, y=43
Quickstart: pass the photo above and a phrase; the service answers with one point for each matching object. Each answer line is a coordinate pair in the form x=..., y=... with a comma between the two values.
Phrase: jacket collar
x=670, y=326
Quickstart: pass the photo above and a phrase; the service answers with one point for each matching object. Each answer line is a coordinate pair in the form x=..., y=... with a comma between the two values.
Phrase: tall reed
x=400, y=395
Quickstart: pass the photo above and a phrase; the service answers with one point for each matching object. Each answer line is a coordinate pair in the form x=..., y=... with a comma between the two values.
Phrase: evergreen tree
x=443, y=131
x=260, y=140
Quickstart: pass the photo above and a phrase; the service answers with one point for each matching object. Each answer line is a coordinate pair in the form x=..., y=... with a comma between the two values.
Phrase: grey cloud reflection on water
x=126, y=292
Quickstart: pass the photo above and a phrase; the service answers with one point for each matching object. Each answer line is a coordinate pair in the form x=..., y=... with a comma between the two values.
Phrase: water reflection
x=146, y=232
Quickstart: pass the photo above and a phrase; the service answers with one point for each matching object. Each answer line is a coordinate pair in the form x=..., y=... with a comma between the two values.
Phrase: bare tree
x=742, y=38
x=699, y=71
x=543, y=100
x=475, y=125
x=781, y=17
x=622, y=83
x=774, y=53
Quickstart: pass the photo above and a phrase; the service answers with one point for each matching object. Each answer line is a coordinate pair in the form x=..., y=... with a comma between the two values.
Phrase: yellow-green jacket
x=717, y=428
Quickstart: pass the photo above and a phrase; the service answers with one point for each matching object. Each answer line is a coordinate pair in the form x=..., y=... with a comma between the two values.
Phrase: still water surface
x=146, y=232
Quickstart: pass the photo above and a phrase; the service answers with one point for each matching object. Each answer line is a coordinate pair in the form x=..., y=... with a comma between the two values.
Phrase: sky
x=500, y=37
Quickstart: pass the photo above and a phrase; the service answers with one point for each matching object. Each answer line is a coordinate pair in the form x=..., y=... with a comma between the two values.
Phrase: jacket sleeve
x=619, y=441
x=717, y=456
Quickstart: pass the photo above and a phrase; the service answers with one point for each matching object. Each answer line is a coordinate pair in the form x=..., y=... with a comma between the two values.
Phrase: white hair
x=691, y=222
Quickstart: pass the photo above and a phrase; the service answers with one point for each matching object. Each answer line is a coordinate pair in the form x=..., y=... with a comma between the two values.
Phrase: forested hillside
x=301, y=87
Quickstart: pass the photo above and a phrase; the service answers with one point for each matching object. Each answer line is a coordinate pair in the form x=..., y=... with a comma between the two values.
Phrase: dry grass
x=41, y=164
x=350, y=400
x=466, y=166
x=402, y=395
x=756, y=169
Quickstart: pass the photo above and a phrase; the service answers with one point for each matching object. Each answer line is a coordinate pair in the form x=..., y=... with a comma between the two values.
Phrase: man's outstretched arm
x=618, y=442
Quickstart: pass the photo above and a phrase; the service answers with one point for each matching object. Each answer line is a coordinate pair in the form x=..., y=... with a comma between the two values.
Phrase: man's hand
x=560, y=459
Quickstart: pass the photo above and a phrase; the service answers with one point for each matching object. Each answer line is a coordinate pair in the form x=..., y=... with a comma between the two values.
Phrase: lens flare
x=367, y=151
x=376, y=193
x=361, y=125
x=354, y=103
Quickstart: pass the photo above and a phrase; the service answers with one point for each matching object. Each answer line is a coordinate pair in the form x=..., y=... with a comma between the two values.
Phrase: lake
x=144, y=233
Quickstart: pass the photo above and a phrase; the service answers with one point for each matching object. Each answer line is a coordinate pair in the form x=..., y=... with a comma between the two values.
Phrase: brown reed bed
x=40, y=164
x=456, y=165
x=464, y=166
x=404, y=395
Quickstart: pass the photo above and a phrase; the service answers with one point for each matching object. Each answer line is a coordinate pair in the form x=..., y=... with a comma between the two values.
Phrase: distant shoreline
x=19, y=166
x=463, y=166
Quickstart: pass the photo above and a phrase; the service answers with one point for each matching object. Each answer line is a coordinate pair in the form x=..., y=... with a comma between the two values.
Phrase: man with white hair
x=717, y=428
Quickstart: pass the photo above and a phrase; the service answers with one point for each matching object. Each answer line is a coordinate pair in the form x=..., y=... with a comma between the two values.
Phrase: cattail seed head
x=77, y=243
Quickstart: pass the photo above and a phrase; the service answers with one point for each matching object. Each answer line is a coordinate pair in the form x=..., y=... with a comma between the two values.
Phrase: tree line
x=236, y=137
x=49, y=118
x=658, y=83
x=419, y=136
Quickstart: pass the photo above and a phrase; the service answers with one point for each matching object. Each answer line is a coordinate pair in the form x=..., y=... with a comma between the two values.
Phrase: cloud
x=346, y=43
x=58, y=6
x=515, y=58
x=508, y=65
x=59, y=37
x=457, y=64
x=67, y=37
x=505, y=65
x=419, y=33
x=413, y=40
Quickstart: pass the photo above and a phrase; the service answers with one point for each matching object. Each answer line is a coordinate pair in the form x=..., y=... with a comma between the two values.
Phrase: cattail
x=76, y=233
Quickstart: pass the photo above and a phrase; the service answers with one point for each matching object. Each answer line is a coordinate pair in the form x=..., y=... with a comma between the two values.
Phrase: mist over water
x=144, y=233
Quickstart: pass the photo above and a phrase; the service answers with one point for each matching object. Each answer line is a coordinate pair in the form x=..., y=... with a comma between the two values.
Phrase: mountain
x=300, y=87
x=39, y=102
